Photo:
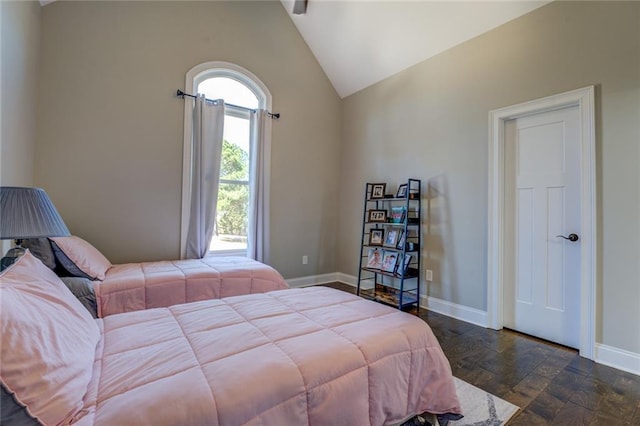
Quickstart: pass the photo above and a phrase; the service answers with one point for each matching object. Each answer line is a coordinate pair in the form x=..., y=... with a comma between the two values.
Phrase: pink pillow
x=48, y=341
x=85, y=256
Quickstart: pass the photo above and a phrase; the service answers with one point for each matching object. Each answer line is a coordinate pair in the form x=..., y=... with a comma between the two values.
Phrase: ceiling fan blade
x=300, y=7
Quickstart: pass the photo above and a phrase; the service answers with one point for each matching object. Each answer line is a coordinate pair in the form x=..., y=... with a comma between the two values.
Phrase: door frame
x=583, y=99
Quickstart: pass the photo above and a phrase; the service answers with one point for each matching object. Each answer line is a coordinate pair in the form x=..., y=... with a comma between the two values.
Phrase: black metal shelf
x=390, y=297
x=391, y=286
x=392, y=224
x=389, y=248
x=412, y=273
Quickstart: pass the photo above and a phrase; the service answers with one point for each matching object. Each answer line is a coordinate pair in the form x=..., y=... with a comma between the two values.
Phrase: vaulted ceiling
x=360, y=42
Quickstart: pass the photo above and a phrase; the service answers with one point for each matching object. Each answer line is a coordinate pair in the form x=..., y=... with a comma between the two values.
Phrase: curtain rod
x=181, y=94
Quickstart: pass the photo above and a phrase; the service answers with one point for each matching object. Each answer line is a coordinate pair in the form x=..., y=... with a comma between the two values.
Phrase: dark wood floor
x=551, y=384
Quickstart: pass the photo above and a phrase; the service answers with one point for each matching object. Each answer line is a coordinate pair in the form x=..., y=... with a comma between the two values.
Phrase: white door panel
x=542, y=177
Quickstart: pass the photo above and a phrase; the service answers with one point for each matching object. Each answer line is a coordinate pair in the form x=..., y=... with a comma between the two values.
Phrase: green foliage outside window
x=233, y=199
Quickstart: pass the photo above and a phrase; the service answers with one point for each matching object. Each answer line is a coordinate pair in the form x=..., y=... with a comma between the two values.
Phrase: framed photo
x=402, y=191
x=376, y=236
x=405, y=264
x=397, y=214
x=391, y=239
x=377, y=190
x=377, y=216
x=374, y=258
x=389, y=261
x=402, y=240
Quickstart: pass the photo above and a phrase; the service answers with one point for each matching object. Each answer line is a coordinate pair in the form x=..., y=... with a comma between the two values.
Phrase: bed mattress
x=311, y=356
x=137, y=286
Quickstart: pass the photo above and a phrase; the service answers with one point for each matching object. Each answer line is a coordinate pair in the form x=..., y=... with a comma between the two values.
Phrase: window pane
x=230, y=90
x=231, y=218
x=233, y=197
x=235, y=149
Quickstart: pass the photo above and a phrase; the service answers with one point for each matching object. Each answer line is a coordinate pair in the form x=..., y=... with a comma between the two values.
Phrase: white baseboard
x=453, y=310
x=347, y=279
x=314, y=280
x=607, y=355
x=463, y=313
x=618, y=358
x=323, y=279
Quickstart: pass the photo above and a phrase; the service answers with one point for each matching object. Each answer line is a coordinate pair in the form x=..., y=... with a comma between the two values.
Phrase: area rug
x=480, y=408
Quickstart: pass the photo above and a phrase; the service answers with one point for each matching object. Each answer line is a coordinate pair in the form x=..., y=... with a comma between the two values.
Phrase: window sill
x=219, y=253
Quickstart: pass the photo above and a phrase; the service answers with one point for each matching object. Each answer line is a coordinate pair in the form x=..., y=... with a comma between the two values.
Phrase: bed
x=314, y=356
x=137, y=286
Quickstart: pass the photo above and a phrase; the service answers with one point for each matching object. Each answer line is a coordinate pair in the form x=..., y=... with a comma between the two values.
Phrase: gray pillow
x=82, y=288
x=67, y=263
x=13, y=412
x=41, y=248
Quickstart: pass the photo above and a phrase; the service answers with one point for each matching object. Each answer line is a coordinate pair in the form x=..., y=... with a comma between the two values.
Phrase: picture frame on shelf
x=377, y=190
x=391, y=239
x=405, y=264
x=402, y=191
x=398, y=214
x=376, y=237
x=377, y=216
x=402, y=240
x=374, y=258
x=389, y=261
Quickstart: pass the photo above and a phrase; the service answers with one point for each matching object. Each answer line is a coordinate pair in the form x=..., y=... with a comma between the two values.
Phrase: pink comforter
x=314, y=356
x=137, y=286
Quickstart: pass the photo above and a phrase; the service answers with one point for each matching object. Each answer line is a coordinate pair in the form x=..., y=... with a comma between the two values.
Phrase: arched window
x=237, y=218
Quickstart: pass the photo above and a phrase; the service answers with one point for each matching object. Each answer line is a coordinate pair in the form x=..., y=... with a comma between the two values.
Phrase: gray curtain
x=208, y=130
x=258, y=202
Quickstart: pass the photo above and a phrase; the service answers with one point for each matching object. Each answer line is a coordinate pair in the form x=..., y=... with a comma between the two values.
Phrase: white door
x=542, y=204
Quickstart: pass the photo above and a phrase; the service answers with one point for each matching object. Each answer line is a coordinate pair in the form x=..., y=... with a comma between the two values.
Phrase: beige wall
x=109, y=139
x=431, y=122
x=20, y=49
x=110, y=135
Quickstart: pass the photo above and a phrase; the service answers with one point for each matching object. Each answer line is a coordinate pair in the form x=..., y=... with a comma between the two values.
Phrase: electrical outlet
x=305, y=260
x=428, y=274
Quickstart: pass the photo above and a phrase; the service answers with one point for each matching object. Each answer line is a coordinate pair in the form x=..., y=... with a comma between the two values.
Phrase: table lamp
x=27, y=213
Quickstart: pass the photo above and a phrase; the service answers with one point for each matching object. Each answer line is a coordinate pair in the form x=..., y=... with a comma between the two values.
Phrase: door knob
x=571, y=237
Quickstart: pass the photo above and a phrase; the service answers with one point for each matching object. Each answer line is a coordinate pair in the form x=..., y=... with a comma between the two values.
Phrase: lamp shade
x=28, y=213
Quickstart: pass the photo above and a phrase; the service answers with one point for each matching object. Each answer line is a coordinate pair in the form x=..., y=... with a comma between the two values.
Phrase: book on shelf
x=397, y=214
